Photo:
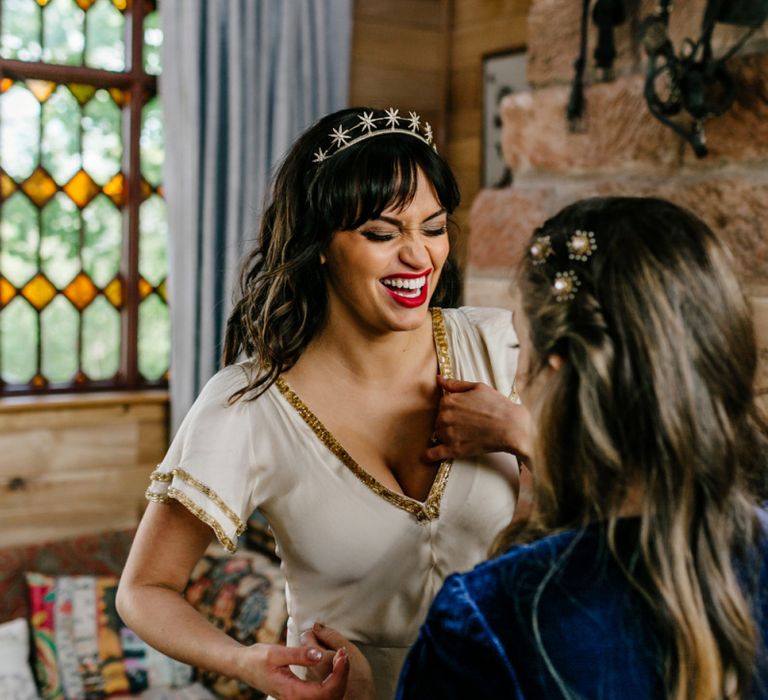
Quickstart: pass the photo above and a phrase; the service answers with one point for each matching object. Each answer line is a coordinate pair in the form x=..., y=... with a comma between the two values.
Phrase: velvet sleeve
x=457, y=654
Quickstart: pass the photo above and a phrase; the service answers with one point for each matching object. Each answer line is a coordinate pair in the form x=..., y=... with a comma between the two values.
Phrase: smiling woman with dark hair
x=323, y=413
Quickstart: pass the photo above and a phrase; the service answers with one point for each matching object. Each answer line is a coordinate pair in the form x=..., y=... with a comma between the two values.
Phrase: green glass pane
x=105, y=29
x=18, y=335
x=20, y=30
x=63, y=38
x=153, y=241
x=101, y=340
x=59, y=322
x=19, y=131
x=154, y=337
x=19, y=237
x=152, y=144
x=102, y=143
x=102, y=228
x=153, y=40
x=60, y=244
x=61, y=135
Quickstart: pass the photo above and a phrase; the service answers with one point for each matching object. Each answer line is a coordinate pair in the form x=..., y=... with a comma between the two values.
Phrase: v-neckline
x=428, y=509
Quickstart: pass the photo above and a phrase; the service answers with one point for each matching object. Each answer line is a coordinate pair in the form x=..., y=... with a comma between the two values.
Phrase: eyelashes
x=383, y=235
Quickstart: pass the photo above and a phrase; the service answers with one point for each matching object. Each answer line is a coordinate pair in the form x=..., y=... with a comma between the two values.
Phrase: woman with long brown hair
x=642, y=572
x=324, y=409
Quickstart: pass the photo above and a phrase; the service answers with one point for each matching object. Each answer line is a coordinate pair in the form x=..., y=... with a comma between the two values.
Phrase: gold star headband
x=369, y=126
x=581, y=245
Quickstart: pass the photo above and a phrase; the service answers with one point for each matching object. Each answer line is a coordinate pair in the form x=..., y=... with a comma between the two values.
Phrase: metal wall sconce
x=682, y=89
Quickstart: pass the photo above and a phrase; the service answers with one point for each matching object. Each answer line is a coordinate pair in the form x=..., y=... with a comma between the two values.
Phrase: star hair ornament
x=370, y=126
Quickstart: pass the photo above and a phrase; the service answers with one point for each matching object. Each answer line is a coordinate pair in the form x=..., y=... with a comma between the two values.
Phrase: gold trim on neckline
x=422, y=511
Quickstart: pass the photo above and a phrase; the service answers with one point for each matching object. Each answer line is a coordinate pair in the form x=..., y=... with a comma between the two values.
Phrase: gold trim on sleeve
x=429, y=509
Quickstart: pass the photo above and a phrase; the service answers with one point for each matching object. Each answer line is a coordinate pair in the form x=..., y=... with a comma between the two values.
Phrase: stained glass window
x=83, y=240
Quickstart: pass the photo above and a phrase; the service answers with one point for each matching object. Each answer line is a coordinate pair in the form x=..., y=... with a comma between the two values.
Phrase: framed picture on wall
x=503, y=74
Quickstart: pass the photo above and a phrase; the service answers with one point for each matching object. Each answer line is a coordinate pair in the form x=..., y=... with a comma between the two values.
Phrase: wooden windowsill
x=16, y=404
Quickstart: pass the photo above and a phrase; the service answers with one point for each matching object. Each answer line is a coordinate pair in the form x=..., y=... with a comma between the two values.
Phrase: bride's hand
x=360, y=682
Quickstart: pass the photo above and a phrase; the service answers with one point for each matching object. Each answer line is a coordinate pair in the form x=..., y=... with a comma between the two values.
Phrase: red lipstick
x=413, y=301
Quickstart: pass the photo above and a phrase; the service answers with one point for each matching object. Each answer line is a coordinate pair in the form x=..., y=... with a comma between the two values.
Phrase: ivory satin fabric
x=356, y=556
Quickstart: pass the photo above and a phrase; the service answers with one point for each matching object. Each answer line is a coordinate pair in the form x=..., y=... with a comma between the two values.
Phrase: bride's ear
x=555, y=362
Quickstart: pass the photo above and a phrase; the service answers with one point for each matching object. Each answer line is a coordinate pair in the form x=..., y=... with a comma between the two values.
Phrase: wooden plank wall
x=75, y=466
x=400, y=58
x=479, y=27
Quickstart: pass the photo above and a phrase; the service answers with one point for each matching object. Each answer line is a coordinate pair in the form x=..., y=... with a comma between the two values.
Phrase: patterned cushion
x=83, y=649
x=103, y=554
x=258, y=537
x=244, y=595
x=15, y=675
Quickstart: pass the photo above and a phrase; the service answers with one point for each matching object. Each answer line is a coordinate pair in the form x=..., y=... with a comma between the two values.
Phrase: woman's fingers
x=454, y=385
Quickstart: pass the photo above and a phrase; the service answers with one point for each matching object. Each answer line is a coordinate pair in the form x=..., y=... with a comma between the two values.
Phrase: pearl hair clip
x=369, y=126
x=581, y=245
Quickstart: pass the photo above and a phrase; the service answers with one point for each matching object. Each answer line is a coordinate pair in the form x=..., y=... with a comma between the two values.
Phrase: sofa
x=61, y=637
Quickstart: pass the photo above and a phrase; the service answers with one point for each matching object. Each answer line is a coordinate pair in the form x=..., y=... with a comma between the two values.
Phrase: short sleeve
x=209, y=463
x=484, y=343
x=456, y=654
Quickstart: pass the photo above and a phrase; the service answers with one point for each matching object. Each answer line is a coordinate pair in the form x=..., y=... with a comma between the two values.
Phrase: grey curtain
x=241, y=80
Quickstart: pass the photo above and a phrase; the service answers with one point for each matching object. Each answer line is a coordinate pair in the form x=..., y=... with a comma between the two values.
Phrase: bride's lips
x=405, y=289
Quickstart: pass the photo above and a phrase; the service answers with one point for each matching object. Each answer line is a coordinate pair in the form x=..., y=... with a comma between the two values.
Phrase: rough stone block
x=501, y=221
x=619, y=135
x=553, y=37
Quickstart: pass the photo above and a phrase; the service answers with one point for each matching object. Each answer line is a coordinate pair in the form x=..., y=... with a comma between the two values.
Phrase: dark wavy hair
x=282, y=299
x=655, y=395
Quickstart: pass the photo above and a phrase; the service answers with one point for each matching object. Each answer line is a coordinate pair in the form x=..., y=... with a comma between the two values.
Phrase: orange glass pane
x=81, y=188
x=41, y=89
x=39, y=187
x=115, y=190
x=80, y=378
x=121, y=97
x=43, y=3
x=114, y=292
x=120, y=4
x=39, y=381
x=38, y=291
x=81, y=291
x=162, y=290
x=82, y=93
x=7, y=186
x=161, y=190
x=5, y=84
x=85, y=4
x=7, y=291
x=145, y=288
x=146, y=189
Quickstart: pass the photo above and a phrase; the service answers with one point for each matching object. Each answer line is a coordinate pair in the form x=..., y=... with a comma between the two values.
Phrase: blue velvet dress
x=520, y=626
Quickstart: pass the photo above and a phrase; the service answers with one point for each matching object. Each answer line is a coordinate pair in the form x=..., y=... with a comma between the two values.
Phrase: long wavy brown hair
x=281, y=303
x=656, y=396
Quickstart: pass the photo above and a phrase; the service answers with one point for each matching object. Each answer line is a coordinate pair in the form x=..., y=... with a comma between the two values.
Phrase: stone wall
x=624, y=150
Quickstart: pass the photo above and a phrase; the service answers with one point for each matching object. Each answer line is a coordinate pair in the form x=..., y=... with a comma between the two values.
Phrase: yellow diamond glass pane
x=81, y=291
x=146, y=189
x=115, y=190
x=121, y=97
x=85, y=4
x=7, y=291
x=41, y=89
x=38, y=291
x=162, y=290
x=43, y=3
x=81, y=189
x=39, y=187
x=120, y=4
x=82, y=93
x=7, y=186
x=5, y=84
x=114, y=292
x=145, y=288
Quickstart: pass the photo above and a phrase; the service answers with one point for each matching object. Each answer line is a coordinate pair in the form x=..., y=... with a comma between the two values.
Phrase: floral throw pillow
x=83, y=649
x=244, y=595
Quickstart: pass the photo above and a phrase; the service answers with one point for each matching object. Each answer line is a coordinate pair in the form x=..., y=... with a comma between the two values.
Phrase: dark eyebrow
x=397, y=222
